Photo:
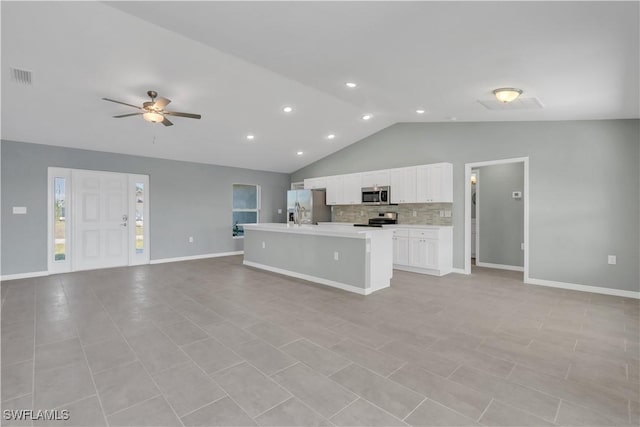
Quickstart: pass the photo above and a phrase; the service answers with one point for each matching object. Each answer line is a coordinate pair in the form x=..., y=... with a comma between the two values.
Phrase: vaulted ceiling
x=239, y=63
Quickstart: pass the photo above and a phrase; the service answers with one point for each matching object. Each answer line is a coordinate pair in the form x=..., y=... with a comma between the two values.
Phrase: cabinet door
x=422, y=184
x=410, y=181
x=375, y=178
x=417, y=255
x=434, y=179
x=401, y=250
x=352, y=189
x=335, y=190
x=430, y=254
x=403, y=185
x=396, y=180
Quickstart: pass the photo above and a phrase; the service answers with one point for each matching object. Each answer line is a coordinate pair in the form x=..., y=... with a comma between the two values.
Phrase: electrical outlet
x=441, y=214
x=522, y=246
x=279, y=211
x=415, y=213
x=447, y=213
x=336, y=256
x=264, y=245
x=190, y=239
x=611, y=259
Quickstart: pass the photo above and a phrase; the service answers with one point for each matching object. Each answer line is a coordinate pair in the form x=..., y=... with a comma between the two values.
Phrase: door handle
x=125, y=219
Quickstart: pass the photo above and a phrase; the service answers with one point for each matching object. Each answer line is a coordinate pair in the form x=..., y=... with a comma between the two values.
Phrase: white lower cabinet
x=400, y=249
x=423, y=250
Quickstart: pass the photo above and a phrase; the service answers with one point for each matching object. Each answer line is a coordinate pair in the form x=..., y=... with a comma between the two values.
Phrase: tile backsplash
x=426, y=213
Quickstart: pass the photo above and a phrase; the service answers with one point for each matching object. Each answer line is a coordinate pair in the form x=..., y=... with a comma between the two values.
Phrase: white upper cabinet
x=435, y=183
x=315, y=183
x=403, y=185
x=375, y=178
x=415, y=184
x=352, y=189
x=335, y=190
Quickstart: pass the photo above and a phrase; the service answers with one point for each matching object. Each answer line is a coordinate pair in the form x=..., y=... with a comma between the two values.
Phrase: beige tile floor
x=211, y=342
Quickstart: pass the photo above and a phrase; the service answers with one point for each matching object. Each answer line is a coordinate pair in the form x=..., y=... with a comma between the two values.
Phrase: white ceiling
x=239, y=63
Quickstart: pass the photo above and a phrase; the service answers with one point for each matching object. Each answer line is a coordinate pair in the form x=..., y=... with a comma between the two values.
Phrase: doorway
x=475, y=170
x=97, y=220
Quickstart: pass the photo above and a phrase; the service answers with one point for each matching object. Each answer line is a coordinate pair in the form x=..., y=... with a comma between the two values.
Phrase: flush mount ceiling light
x=351, y=85
x=250, y=137
x=507, y=94
x=366, y=117
x=153, y=117
x=287, y=109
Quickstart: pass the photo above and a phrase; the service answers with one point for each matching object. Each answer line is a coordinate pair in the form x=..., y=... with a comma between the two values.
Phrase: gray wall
x=500, y=230
x=311, y=255
x=185, y=199
x=582, y=174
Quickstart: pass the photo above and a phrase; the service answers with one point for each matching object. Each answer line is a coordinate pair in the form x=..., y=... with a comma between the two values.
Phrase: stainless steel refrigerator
x=307, y=207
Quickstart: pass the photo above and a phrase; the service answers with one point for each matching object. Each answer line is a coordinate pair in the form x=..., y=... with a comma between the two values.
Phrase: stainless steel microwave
x=376, y=196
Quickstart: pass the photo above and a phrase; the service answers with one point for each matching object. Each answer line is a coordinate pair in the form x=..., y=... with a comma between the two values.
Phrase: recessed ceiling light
x=299, y=153
x=331, y=136
x=287, y=109
x=366, y=117
x=351, y=85
x=453, y=119
x=420, y=111
x=250, y=137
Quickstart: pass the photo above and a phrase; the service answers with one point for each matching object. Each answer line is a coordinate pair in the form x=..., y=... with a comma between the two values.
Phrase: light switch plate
x=611, y=259
x=279, y=211
x=19, y=210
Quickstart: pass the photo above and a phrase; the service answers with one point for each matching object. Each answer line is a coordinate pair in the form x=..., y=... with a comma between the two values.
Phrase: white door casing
x=101, y=217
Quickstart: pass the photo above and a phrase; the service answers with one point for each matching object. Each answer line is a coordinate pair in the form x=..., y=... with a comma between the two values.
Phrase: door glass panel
x=139, y=217
x=59, y=223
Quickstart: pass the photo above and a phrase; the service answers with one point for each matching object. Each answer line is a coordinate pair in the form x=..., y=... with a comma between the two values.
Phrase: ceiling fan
x=153, y=111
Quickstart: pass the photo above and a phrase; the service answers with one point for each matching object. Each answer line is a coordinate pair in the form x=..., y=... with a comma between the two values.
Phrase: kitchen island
x=354, y=259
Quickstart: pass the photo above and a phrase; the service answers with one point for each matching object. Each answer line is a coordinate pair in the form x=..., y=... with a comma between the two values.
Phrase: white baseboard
x=193, y=257
x=24, y=275
x=418, y=270
x=584, y=288
x=500, y=266
x=458, y=270
x=339, y=285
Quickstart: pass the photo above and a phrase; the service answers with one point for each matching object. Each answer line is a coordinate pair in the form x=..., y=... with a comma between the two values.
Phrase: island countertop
x=318, y=230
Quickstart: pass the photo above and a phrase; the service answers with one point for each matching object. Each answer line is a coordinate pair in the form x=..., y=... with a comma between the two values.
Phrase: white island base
x=358, y=260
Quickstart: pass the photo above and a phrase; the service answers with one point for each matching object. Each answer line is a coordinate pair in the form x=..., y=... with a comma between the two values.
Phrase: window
x=59, y=219
x=139, y=208
x=246, y=207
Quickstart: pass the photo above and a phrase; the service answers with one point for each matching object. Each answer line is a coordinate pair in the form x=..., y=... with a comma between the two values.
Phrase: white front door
x=100, y=220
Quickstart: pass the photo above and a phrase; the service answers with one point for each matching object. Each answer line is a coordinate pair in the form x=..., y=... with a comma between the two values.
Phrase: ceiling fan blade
x=177, y=114
x=161, y=103
x=166, y=122
x=126, y=115
x=123, y=103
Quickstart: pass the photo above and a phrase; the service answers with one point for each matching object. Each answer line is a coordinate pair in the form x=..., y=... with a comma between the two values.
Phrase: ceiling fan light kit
x=507, y=94
x=153, y=111
x=153, y=117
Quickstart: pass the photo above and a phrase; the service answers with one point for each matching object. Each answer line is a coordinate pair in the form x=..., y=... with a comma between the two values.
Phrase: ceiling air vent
x=22, y=77
x=518, y=104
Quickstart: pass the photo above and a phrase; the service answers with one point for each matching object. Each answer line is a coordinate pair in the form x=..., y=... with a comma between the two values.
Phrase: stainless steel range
x=380, y=220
